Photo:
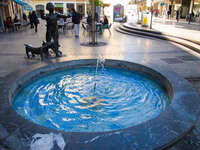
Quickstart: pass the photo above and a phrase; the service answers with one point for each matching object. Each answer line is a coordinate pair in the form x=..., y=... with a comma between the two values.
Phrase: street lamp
x=93, y=22
x=151, y=14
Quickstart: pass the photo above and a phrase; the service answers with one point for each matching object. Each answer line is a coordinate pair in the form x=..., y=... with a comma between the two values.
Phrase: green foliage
x=97, y=3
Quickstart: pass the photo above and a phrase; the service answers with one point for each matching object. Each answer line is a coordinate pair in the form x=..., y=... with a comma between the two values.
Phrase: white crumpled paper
x=46, y=141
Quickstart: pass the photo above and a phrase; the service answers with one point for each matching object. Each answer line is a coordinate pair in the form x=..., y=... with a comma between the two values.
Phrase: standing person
x=16, y=20
x=9, y=24
x=76, y=20
x=191, y=16
x=35, y=20
x=52, y=27
x=157, y=12
x=177, y=15
x=17, y=24
x=164, y=14
x=169, y=14
x=30, y=16
x=24, y=18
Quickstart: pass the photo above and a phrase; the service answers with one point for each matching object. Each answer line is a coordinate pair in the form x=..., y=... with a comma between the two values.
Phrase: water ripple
x=66, y=100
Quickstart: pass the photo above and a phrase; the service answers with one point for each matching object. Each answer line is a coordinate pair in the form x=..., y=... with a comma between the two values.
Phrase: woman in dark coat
x=177, y=15
x=35, y=20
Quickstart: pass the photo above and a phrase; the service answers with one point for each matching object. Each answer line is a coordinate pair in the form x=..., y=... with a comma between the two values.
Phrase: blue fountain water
x=66, y=100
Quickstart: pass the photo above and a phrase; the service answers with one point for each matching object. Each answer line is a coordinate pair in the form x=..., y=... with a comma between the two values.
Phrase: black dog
x=35, y=50
x=42, y=51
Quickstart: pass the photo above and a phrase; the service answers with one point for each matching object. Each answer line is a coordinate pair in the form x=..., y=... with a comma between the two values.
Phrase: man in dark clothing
x=76, y=20
x=191, y=16
x=31, y=19
x=24, y=17
x=177, y=15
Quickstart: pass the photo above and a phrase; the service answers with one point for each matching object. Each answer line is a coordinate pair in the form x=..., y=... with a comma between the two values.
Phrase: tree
x=94, y=4
x=97, y=3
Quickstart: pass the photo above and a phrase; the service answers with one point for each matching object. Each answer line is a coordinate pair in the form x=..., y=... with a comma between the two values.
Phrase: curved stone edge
x=97, y=44
x=157, y=133
x=159, y=33
x=142, y=33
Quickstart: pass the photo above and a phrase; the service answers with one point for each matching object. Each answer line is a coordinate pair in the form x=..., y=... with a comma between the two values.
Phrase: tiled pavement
x=171, y=27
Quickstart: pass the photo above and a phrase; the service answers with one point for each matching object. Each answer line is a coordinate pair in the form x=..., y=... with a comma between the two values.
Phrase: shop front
x=3, y=13
x=39, y=8
x=59, y=7
x=69, y=7
x=161, y=7
x=64, y=7
x=196, y=10
x=1, y=21
x=17, y=7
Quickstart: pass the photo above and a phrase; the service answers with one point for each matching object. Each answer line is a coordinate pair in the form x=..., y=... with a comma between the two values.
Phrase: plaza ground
x=177, y=58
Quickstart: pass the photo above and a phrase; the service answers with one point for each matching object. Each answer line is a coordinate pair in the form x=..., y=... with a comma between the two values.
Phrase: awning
x=28, y=7
x=25, y=5
x=19, y=2
x=106, y=4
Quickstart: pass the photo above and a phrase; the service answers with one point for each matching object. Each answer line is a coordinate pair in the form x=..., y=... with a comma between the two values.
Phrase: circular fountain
x=124, y=106
x=81, y=100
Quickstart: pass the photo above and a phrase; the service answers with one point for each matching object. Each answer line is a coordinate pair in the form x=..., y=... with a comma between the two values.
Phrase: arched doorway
x=38, y=9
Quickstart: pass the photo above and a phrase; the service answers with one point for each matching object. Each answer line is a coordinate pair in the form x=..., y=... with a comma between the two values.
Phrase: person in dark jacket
x=191, y=16
x=76, y=20
x=24, y=17
x=177, y=15
x=35, y=20
x=31, y=19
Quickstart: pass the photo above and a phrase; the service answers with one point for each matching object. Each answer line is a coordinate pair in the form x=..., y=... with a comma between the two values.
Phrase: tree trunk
x=93, y=22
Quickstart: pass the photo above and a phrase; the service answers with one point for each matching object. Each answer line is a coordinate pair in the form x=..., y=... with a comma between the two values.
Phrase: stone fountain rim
x=158, y=133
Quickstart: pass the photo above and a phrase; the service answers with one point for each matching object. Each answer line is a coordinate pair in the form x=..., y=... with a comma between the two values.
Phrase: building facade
x=62, y=6
x=9, y=8
x=185, y=7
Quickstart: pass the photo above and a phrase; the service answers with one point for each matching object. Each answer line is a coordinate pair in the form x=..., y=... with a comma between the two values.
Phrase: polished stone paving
x=119, y=46
x=171, y=27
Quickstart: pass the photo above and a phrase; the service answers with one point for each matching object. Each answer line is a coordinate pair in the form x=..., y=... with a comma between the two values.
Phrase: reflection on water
x=65, y=100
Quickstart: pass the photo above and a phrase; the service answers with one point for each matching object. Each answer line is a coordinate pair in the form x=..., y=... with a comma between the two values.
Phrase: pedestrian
x=191, y=16
x=35, y=20
x=30, y=16
x=24, y=17
x=16, y=20
x=9, y=24
x=177, y=15
x=17, y=24
x=164, y=14
x=157, y=12
x=89, y=19
x=76, y=20
x=169, y=14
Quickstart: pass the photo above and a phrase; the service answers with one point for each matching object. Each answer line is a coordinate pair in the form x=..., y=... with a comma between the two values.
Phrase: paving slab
x=119, y=46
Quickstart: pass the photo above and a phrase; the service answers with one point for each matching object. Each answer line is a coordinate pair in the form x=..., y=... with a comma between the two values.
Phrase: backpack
x=76, y=18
